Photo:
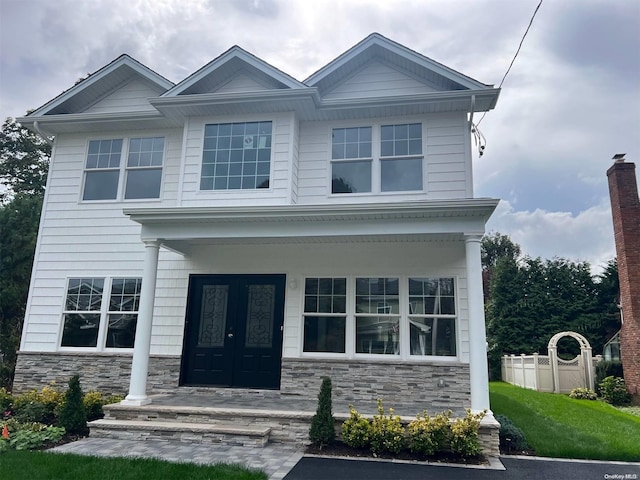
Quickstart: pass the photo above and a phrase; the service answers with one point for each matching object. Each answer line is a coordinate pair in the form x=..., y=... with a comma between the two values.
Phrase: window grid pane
x=325, y=295
x=401, y=140
x=351, y=143
x=104, y=154
x=377, y=295
x=145, y=152
x=236, y=156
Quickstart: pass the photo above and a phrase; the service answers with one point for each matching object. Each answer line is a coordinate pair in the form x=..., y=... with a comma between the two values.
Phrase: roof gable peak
x=96, y=85
x=224, y=67
x=378, y=47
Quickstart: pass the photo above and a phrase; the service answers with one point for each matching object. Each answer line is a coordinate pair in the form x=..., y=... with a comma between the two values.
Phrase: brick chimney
x=625, y=208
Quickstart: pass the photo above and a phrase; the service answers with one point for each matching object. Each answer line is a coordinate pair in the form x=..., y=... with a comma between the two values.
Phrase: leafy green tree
x=23, y=173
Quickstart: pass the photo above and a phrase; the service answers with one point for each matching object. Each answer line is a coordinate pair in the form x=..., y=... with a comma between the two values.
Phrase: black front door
x=233, y=334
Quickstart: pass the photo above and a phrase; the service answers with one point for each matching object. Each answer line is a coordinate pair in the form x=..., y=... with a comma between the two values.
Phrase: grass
x=559, y=426
x=26, y=465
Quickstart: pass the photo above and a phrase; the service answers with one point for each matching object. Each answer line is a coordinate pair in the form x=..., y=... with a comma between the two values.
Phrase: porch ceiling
x=181, y=228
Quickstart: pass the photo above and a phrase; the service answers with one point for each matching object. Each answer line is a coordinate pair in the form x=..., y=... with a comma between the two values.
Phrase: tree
x=23, y=173
x=24, y=161
x=495, y=246
x=72, y=414
x=322, y=431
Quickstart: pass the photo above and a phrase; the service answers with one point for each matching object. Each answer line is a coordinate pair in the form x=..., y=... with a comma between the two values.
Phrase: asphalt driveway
x=515, y=469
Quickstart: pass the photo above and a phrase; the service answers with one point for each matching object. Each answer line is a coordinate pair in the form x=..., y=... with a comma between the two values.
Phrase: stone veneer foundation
x=438, y=385
x=108, y=373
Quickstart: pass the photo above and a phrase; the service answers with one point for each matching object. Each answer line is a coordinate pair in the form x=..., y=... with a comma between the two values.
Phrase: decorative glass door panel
x=233, y=334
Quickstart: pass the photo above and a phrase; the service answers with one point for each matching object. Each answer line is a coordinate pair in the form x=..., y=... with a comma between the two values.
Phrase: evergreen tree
x=72, y=415
x=322, y=431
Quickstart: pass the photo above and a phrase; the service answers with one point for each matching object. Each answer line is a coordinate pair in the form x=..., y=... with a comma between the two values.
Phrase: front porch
x=241, y=417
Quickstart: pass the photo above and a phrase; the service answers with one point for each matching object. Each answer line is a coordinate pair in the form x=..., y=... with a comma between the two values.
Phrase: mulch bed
x=339, y=449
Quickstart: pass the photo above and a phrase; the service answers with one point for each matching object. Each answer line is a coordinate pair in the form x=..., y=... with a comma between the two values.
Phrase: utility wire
x=479, y=138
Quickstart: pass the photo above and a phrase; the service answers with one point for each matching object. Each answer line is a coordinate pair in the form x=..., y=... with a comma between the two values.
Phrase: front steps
x=214, y=425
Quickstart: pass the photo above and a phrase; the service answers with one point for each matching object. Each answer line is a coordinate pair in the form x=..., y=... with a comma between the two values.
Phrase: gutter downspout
x=472, y=109
x=36, y=127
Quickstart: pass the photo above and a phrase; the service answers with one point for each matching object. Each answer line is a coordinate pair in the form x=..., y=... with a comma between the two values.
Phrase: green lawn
x=559, y=426
x=25, y=465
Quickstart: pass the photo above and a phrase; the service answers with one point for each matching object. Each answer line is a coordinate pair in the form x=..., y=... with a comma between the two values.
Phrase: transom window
x=101, y=312
x=236, y=156
x=390, y=153
x=143, y=170
x=409, y=317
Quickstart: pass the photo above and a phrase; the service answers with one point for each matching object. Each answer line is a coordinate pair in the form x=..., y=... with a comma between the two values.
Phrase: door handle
x=230, y=335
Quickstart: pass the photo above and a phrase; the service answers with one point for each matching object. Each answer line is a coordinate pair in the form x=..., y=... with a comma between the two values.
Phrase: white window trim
x=404, y=338
x=122, y=169
x=376, y=167
x=104, y=316
x=240, y=192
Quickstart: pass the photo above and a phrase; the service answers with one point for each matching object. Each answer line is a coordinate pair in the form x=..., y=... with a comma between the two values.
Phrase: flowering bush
x=387, y=432
x=583, y=394
x=356, y=430
x=428, y=435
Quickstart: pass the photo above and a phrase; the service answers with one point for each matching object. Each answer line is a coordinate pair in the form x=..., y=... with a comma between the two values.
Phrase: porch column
x=478, y=366
x=141, y=348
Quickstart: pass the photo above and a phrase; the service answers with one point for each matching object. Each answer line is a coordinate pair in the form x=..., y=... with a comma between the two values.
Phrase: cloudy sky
x=571, y=101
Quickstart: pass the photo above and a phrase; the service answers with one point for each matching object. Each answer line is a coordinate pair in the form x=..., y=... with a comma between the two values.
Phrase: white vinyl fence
x=549, y=373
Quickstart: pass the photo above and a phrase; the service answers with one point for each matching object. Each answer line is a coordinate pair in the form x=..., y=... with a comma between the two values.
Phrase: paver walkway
x=275, y=459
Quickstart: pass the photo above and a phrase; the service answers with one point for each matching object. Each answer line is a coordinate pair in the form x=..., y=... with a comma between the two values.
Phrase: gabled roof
x=378, y=47
x=99, y=84
x=223, y=68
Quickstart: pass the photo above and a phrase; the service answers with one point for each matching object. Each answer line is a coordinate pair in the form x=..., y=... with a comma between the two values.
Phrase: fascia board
x=480, y=207
x=50, y=122
x=435, y=97
x=242, y=97
x=233, y=52
x=123, y=60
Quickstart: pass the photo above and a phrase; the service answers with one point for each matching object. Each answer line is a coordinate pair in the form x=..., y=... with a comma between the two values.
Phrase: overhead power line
x=479, y=138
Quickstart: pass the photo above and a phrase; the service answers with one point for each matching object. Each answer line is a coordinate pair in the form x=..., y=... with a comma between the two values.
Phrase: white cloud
x=587, y=236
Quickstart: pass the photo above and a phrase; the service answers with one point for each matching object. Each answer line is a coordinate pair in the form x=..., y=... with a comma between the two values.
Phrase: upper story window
x=236, y=156
x=142, y=172
x=144, y=168
x=385, y=158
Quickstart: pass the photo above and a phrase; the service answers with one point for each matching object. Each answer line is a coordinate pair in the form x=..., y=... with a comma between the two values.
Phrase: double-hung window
x=236, y=156
x=432, y=315
x=325, y=314
x=142, y=172
x=407, y=317
x=101, y=313
x=373, y=159
x=351, y=160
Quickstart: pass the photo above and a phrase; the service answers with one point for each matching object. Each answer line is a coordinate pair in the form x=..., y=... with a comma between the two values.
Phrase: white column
x=141, y=348
x=478, y=366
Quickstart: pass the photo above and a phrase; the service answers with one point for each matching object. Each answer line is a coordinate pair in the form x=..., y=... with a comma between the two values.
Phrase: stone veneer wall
x=397, y=383
x=105, y=372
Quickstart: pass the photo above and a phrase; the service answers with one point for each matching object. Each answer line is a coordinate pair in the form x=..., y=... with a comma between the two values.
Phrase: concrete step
x=205, y=433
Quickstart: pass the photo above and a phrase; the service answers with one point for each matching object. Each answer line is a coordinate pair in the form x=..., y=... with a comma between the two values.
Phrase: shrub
x=26, y=439
x=583, y=394
x=356, y=430
x=607, y=368
x=93, y=403
x=72, y=414
x=6, y=400
x=428, y=435
x=34, y=406
x=512, y=439
x=614, y=391
x=322, y=431
x=109, y=399
x=387, y=432
x=464, y=434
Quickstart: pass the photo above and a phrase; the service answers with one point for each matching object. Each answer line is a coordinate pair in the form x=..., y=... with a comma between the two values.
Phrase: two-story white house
x=244, y=229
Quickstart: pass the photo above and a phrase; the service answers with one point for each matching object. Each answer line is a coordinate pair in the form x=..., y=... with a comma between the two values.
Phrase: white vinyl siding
x=241, y=83
x=378, y=80
x=279, y=189
x=132, y=97
x=446, y=164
